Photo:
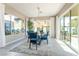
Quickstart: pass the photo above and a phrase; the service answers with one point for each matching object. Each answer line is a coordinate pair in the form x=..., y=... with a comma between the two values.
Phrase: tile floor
x=53, y=48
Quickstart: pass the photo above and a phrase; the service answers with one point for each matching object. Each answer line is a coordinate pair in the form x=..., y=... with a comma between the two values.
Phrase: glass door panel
x=74, y=27
x=74, y=33
x=62, y=28
x=67, y=30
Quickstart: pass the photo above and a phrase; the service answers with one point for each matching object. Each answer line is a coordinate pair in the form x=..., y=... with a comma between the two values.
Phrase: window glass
x=62, y=28
x=74, y=27
x=13, y=28
x=67, y=31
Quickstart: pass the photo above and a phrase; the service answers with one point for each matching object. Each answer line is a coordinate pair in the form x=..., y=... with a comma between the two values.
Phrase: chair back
x=32, y=35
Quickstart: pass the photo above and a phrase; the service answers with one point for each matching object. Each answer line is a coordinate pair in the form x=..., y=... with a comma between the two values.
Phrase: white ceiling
x=30, y=9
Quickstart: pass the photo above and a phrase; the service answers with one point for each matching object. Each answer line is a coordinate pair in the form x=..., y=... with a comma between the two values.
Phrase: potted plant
x=30, y=25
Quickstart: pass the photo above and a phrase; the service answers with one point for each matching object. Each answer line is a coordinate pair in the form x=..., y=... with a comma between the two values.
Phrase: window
x=69, y=28
x=13, y=27
x=62, y=28
x=74, y=27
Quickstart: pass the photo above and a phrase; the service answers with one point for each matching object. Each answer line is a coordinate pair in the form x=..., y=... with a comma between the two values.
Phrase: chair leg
x=30, y=45
x=36, y=45
x=28, y=40
x=40, y=42
x=47, y=41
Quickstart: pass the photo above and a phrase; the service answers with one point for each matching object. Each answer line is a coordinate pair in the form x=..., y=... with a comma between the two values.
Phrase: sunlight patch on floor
x=65, y=47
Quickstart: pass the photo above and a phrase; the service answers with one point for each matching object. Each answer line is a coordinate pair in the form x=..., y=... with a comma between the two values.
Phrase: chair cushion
x=32, y=35
x=44, y=37
x=33, y=41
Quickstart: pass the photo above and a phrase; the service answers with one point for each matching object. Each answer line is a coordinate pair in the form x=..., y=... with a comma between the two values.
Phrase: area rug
x=43, y=49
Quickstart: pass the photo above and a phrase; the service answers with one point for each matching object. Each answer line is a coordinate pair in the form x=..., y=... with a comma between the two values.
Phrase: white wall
x=57, y=28
x=26, y=25
x=2, y=28
x=52, y=27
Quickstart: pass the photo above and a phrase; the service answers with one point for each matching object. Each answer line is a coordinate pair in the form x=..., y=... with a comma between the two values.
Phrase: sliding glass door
x=70, y=28
x=67, y=29
x=14, y=28
x=62, y=28
x=74, y=28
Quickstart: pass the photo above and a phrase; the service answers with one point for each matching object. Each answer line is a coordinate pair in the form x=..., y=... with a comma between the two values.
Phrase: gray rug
x=43, y=49
x=53, y=48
